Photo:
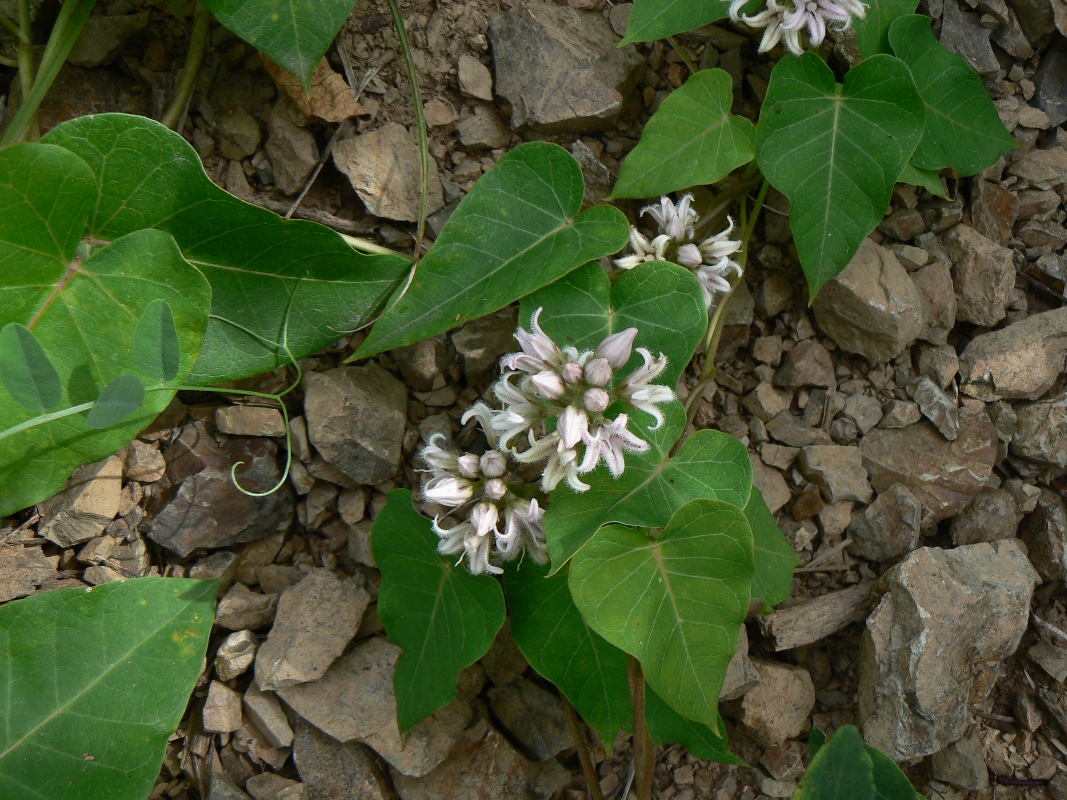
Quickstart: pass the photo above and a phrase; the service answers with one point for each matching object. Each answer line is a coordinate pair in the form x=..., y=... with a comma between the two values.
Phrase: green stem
x=12, y=28
x=45, y=418
x=194, y=57
x=72, y=18
x=581, y=744
x=25, y=60
x=367, y=246
x=8, y=62
x=682, y=55
x=644, y=761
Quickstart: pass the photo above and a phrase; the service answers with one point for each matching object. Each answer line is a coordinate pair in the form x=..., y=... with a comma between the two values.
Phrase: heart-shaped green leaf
x=26, y=371
x=120, y=398
x=559, y=644
x=775, y=557
x=662, y=300
x=963, y=129
x=872, y=32
x=691, y=140
x=294, y=33
x=443, y=617
x=835, y=151
x=847, y=769
x=271, y=279
x=97, y=680
x=517, y=230
x=156, y=345
x=658, y=19
x=928, y=179
x=668, y=726
x=710, y=464
x=82, y=302
x=676, y=603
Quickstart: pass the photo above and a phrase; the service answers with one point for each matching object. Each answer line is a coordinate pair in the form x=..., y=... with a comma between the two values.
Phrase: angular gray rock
x=85, y=505
x=235, y=654
x=23, y=570
x=222, y=709
x=243, y=609
x=962, y=764
x=265, y=712
x=355, y=700
x=316, y=620
x=533, y=716
x=807, y=364
x=199, y=506
x=1045, y=534
x=1019, y=362
x=741, y=673
x=983, y=274
x=936, y=406
x=474, y=78
x=269, y=786
x=889, y=527
x=872, y=307
x=480, y=342
x=383, y=168
x=356, y=417
x=777, y=708
x=238, y=134
x=934, y=643
x=938, y=298
x=837, y=471
x=991, y=515
x=963, y=34
x=559, y=69
x=103, y=37
x=244, y=419
x=1041, y=431
x=292, y=150
x=333, y=770
x=944, y=475
x=483, y=130
x=1042, y=169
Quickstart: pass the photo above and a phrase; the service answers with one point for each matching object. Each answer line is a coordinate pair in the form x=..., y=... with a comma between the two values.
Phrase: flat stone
x=222, y=788
x=217, y=566
x=864, y=410
x=889, y=527
x=333, y=770
x=199, y=505
x=144, y=462
x=235, y=654
x=355, y=700
x=777, y=708
x=872, y=307
x=292, y=150
x=837, y=471
x=383, y=167
x=242, y=609
x=483, y=130
x=238, y=134
x=936, y=406
x=23, y=570
x=1019, y=362
x=482, y=765
x=439, y=113
x=422, y=364
x=356, y=418
x=961, y=764
x=775, y=294
x=559, y=69
x=938, y=298
x=474, y=78
x=103, y=37
x=765, y=402
x=741, y=673
x=939, y=364
x=991, y=515
x=268, y=786
x=85, y=505
x=222, y=709
x=1051, y=83
x=1050, y=658
x=964, y=34
x=265, y=712
x=316, y=620
x=248, y=420
x=1042, y=169
x=533, y=716
x=994, y=210
x=793, y=431
x=932, y=647
x=771, y=484
x=1041, y=430
x=900, y=414
x=944, y=475
x=807, y=364
x=1045, y=534
x=983, y=273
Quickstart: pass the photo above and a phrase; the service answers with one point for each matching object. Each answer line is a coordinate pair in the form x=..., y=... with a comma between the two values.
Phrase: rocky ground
x=909, y=429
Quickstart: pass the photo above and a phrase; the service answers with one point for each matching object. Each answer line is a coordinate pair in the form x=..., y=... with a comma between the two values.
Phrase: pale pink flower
x=675, y=222
x=608, y=442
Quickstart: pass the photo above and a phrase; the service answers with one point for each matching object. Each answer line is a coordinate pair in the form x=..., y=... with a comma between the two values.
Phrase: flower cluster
x=786, y=20
x=710, y=260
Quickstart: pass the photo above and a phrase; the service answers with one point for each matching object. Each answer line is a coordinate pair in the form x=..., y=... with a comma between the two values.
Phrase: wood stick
x=808, y=622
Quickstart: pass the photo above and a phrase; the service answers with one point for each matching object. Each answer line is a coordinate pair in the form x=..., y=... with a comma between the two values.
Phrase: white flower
x=524, y=529
x=719, y=246
x=539, y=352
x=608, y=442
x=448, y=491
x=772, y=19
x=637, y=390
x=675, y=222
x=573, y=426
x=561, y=461
x=815, y=15
x=521, y=411
x=644, y=250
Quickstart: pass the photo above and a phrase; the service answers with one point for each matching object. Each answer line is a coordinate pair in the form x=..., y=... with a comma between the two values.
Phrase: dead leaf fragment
x=331, y=98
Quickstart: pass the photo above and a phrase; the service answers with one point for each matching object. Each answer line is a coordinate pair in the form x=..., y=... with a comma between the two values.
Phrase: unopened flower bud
x=689, y=255
x=468, y=465
x=598, y=372
x=448, y=491
x=573, y=424
x=548, y=384
x=495, y=489
x=596, y=400
x=572, y=372
x=617, y=347
x=493, y=464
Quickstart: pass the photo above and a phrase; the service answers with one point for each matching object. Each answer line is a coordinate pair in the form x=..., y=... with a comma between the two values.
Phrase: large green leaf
x=82, y=304
x=95, y=683
x=847, y=769
x=443, y=617
x=872, y=32
x=662, y=300
x=517, y=230
x=264, y=271
x=835, y=151
x=294, y=33
x=710, y=464
x=559, y=644
x=775, y=557
x=963, y=129
x=691, y=140
x=676, y=603
x=668, y=726
x=928, y=179
x=658, y=19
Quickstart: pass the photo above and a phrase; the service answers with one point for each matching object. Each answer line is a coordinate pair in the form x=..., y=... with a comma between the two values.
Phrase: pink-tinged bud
x=549, y=385
x=618, y=347
x=689, y=255
x=596, y=400
x=493, y=464
x=572, y=427
x=484, y=517
x=598, y=372
x=468, y=465
x=572, y=372
x=448, y=491
x=495, y=489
